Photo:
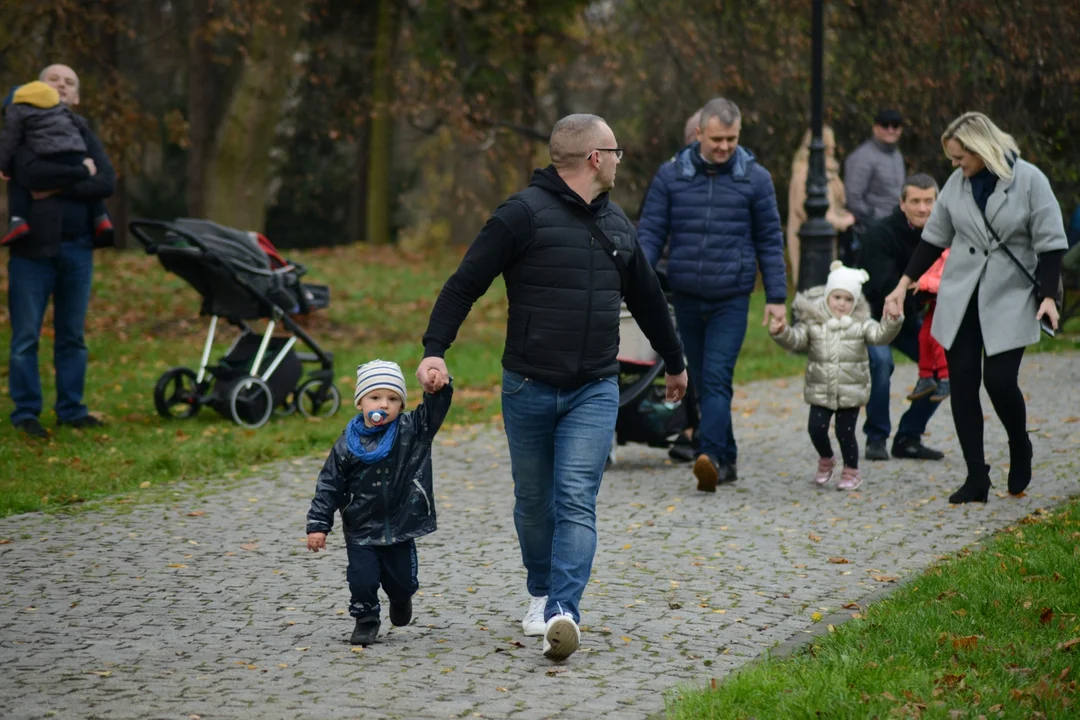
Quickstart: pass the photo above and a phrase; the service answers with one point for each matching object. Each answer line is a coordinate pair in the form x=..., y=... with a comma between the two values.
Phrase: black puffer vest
x=564, y=291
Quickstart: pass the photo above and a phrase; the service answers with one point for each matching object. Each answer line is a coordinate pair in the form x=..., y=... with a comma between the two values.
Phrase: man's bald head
x=574, y=137
x=64, y=80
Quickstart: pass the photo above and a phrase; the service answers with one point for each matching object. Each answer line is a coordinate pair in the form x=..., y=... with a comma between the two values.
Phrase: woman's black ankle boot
x=976, y=488
x=1020, y=466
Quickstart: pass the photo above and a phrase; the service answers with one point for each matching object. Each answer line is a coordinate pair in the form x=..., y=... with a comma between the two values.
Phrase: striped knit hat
x=379, y=375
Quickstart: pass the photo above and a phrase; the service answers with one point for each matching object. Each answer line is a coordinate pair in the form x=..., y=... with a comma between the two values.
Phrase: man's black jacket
x=564, y=291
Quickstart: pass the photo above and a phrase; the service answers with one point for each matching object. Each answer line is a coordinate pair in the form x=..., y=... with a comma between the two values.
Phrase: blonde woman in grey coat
x=997, y=213
x=835, y=327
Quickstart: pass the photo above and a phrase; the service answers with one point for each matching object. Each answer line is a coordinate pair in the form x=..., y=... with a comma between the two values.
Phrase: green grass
x=143, y=321
x=984, y=634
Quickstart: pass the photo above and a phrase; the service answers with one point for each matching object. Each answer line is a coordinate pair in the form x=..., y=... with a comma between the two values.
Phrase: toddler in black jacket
x=378, y=475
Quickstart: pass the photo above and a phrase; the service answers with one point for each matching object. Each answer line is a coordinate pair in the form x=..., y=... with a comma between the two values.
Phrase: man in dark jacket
x=569, y=256
x=716, y=206
x=888, y=246
x=54, y=259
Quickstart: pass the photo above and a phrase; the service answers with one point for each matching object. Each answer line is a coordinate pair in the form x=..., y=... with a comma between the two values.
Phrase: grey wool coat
x=837, y=367
x=1025, y=215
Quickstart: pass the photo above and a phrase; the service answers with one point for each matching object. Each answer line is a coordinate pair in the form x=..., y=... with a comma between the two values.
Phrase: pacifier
x=376, y=416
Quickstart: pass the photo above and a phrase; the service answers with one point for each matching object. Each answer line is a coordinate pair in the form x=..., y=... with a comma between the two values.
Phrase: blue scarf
x=357, y=430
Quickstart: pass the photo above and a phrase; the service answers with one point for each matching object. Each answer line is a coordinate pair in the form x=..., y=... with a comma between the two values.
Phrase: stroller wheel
x=318, y=399
x=250, y=402
x=175, y=395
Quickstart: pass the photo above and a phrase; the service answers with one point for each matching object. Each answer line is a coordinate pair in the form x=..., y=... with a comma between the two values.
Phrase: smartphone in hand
x=1044, y=324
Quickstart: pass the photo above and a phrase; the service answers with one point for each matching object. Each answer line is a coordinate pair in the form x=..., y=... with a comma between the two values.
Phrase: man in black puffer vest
x=560, y=392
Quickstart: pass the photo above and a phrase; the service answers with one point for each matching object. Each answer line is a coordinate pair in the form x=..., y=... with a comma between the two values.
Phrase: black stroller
x=644, y=415
x=241, y=276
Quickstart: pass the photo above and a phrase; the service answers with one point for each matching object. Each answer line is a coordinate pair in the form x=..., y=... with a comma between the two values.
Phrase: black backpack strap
x=601, y=237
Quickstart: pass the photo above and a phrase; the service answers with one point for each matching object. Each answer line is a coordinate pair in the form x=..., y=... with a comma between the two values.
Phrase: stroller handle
x=139, y=229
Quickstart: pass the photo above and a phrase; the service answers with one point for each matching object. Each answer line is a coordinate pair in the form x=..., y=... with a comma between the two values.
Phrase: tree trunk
x=118, y=205
x=238, y=172
x=200, y=100
x=381, y=124
x=357, y=228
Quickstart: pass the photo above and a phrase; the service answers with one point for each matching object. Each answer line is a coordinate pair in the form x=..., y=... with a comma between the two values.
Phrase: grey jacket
x=1026, y=216
x=46, y=131
x=873, y=176
x=838, y=367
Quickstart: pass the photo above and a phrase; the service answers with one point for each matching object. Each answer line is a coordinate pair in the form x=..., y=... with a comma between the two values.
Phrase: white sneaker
x=562, y=637
x=533, y=624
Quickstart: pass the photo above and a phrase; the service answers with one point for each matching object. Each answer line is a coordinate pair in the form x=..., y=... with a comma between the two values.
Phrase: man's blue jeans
x=559, y=440
x=31, y=282
x=913, y=422
x=712, y=333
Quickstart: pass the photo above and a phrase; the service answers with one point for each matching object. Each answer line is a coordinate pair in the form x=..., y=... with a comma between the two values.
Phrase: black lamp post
x=817, y=235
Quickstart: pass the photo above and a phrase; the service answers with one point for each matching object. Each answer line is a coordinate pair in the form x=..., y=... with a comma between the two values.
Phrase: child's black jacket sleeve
x=431, y=413
x=330, y=491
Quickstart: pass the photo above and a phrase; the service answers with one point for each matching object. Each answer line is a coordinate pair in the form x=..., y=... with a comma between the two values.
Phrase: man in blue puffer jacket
x=717, y=207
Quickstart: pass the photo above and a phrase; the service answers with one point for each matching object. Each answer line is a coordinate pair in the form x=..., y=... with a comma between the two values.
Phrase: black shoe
x=707, y=472
x=84, y=423
x=923, y=388
x=913, y=449
x=365, y=632
x=1020, y=468
x=682, y=450
x=401, y=613
x=976, y=488
x=875, y=450
x=729, y=473
x=33, y=428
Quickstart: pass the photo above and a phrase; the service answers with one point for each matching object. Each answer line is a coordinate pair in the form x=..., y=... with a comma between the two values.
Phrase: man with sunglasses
x=874, y=174
x=569, y=256
x=715, y=205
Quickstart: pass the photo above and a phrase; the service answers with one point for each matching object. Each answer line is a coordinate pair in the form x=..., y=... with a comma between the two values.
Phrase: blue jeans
x=559, y=440
x=712, y=333
x=913, y=422
x=31, y=282
x=392, y=566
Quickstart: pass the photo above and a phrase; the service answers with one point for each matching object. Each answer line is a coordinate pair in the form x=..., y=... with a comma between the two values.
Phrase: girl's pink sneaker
x=825, y=468
x=850, y=479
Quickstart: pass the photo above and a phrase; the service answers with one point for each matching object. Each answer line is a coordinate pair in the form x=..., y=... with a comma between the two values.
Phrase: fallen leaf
x=839, y=560
x=815, y=538
x=356, y=649
x=552, y=672
x=517, y=643
x=6, y=541
x=250, y=546
x=100, y=673
x=888, y=696
x=885, y=578
x=816, y=616
x=176, y=565
x=302, y=649
x=196, y=513
x=1046, y=616
x=969, y=642
x=851, y=606
x=144, y=484
x=625, y=639
x=1069, y=644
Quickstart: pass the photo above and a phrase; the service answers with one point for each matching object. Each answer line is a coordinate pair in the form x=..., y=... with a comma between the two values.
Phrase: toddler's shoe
x=825, y=468
x=942, y=391
x=401, y=612
x=923, y=388
x=850, y=479
x=365, y=632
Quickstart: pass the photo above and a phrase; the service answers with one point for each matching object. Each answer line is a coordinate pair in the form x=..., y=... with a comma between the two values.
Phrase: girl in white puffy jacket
x=834, y=327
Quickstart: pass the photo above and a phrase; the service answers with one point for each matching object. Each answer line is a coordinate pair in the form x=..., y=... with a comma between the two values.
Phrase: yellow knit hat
x=37, y=94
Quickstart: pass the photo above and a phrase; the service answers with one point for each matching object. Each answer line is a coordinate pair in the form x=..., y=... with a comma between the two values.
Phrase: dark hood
x=549, y=179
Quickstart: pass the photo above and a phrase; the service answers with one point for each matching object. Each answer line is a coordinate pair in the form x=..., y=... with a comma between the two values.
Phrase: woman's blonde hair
x=977, y=134
x=802, y=155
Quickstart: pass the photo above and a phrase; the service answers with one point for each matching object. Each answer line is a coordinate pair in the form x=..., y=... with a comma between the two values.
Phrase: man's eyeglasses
x=892, y=126
x=618, y=152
